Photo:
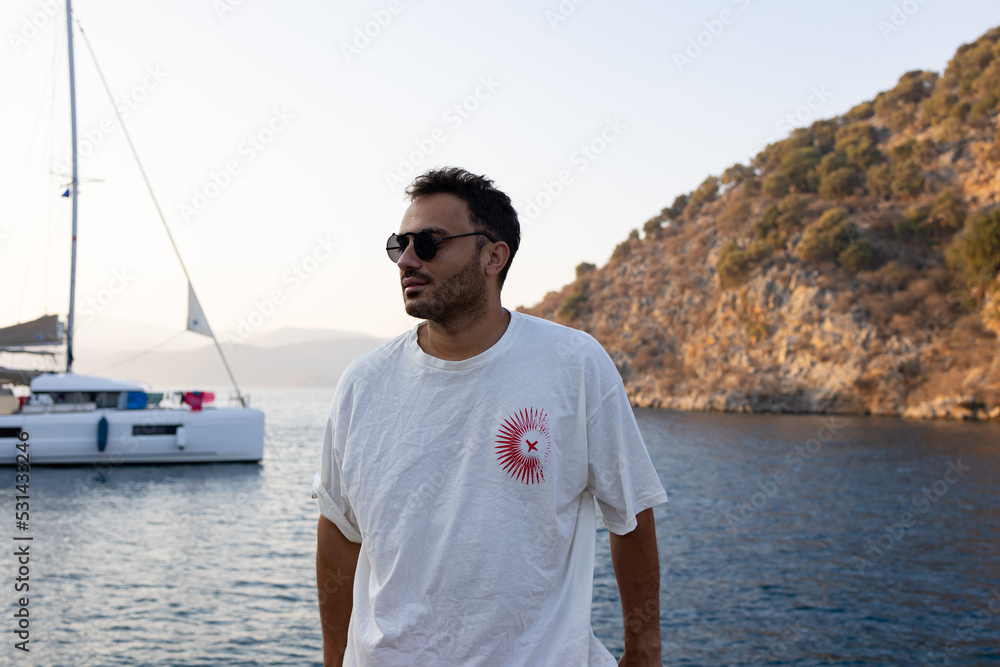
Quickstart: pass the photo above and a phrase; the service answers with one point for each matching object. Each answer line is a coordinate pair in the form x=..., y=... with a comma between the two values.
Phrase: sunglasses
x=424, y=244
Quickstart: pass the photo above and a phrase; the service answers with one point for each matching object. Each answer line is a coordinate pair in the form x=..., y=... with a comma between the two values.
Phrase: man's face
x=452, y=286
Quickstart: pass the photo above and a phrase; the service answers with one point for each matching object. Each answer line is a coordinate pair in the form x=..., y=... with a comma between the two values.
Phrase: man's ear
x=497, y=259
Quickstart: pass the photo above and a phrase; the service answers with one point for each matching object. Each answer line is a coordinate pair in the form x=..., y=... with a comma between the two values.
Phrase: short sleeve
x=620, y=473
x=328, y=487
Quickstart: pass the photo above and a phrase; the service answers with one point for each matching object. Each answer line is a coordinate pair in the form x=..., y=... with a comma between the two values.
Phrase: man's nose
x=409, y=259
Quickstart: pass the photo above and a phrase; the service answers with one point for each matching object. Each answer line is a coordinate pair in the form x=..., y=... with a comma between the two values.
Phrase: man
x=460, y=463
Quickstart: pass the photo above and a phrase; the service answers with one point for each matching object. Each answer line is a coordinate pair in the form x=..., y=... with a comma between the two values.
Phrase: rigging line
x=141, y=354
x=156, y=202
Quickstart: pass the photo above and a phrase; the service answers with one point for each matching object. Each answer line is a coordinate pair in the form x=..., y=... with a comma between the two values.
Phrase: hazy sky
x=279, y=135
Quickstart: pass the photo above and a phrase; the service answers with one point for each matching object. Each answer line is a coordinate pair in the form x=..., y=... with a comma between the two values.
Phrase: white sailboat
x=72, y=419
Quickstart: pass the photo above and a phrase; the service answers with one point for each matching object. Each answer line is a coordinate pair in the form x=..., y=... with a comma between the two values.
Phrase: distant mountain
x=294, y=336
x=849, y=268
x=283, y=358
x=106, y=335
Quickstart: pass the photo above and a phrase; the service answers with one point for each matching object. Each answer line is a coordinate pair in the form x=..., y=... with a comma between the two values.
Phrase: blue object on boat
x=136, y=400
x=102, y=434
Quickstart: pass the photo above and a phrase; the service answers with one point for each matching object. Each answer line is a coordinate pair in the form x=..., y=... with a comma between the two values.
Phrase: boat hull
x=135, y=436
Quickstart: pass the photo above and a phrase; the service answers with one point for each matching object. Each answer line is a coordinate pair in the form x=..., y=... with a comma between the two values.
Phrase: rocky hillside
x=850, y=268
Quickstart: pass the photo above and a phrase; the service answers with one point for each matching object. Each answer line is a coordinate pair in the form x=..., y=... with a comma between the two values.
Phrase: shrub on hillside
x=911, y=227
x=975, y=67
x=736, y=263
x=826, y=238
x=840, y=183
x=976, y=250
x=911, y=89
x=862, y=111
x=983, y=107
x=676, y=209
x=798, y=165
x=971, y=77
x=901, y=118
x=907, y=179
x=859, y=255
x=737, y=174
x=960, y=113
x=878, y=181
x=768, y=223
x=579, y=294
x=895, y=275
x=939, y=106
x=731, y=220
x=830, y=163
x=767, y=159
x=792, y=208
x=824, y=135
x=621, y=251
x=948, y=210
x=778, y=220
x=706, y=192
x=776, y=185
x=858, y=142
x=653, y=228
x=570, y=308
x=922, y=152
x=952, y=130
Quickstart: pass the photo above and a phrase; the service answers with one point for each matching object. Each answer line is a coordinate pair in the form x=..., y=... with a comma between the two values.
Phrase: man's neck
x=466, y=341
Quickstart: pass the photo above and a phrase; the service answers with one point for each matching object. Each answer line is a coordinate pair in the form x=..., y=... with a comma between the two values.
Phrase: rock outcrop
x=851, y=268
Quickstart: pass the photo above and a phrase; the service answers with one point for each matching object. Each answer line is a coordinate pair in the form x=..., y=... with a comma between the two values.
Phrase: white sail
x=197, y=322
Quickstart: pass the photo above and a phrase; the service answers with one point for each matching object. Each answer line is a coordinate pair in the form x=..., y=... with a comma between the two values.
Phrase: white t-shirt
x=470, y=486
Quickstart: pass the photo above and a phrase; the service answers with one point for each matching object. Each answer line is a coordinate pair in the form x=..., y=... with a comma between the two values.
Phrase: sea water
x=787, y=540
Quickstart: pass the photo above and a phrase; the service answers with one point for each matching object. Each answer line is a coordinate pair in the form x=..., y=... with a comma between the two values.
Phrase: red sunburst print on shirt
x=523, y=445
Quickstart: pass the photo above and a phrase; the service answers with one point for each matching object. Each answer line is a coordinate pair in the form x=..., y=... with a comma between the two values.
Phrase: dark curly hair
x=490, y=209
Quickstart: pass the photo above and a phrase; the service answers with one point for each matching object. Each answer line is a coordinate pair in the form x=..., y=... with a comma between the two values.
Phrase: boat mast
x=73, y=189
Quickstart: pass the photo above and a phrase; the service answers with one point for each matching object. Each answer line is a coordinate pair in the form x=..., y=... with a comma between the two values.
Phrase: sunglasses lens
x=424, y=245
x=395, y=246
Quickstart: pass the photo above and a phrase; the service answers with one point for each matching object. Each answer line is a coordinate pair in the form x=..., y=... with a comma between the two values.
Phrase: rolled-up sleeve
x=328, y=487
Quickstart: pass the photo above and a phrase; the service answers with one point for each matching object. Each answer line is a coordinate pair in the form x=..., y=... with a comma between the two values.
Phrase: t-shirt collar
x=484, y=357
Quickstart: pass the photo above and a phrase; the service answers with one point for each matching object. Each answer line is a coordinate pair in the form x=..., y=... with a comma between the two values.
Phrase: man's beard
x=457, y=300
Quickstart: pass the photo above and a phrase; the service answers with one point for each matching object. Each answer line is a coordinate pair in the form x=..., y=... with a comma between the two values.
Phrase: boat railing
x=38, y=409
